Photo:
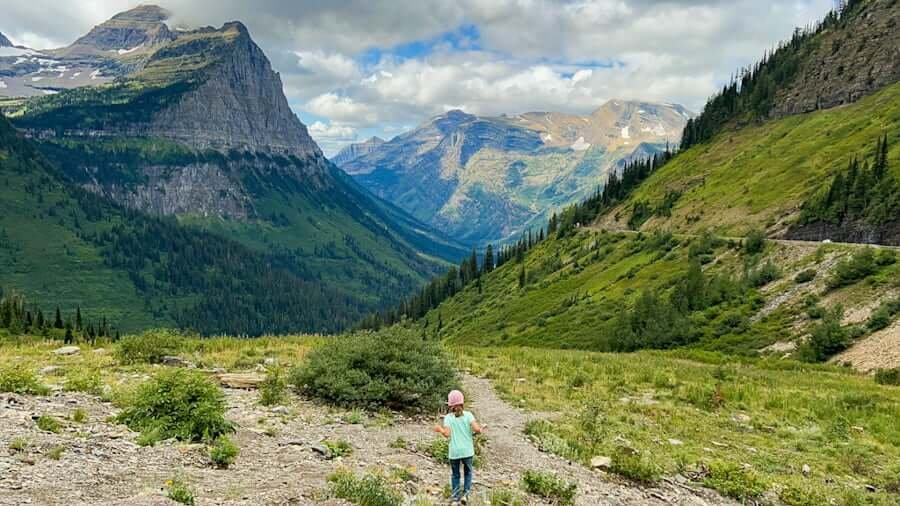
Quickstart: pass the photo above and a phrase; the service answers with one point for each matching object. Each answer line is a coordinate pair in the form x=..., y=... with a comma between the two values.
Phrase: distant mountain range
x=194, y=125
x=486, y=179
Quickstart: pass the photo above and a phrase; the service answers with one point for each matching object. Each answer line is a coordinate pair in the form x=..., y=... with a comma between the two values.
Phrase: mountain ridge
x=486, y=179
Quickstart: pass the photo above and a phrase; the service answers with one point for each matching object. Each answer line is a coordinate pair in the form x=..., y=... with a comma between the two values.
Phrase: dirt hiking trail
x=280, y=461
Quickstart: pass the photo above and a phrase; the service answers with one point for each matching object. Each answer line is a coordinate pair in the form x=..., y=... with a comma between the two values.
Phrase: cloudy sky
x=357, y=68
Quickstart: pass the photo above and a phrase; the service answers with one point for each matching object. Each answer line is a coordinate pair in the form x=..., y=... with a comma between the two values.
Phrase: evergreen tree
x=57, y=322
x=488, y=264
x=523, y=277
x=77, y=318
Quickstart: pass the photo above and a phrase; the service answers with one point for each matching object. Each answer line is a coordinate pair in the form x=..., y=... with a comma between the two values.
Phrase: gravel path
x=278, y=463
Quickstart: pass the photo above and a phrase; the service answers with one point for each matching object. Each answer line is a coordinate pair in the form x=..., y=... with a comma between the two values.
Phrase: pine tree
x=488, y=264
x=523, y=277
x=57, y=322
x=77, y=318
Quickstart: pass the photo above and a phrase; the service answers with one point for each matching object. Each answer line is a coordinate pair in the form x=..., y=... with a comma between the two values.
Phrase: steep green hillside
x=622, y=292
x=760, y=176
x=68, y=247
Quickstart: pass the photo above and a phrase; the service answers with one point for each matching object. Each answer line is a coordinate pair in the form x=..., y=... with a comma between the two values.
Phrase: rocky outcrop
x=4, y=42
x=851, y=231
x=848, y=62
x=356, y=150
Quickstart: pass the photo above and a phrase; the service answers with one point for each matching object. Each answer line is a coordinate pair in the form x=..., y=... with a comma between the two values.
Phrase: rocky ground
x=279, y=461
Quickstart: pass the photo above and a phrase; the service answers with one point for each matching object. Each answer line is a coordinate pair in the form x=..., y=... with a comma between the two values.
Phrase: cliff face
x=849, y=62
x=137, y=29
x=239, y=105
x=4, y=42
x=356, y=150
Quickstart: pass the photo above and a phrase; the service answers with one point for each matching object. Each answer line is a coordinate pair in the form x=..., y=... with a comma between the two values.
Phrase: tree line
x=863, y=192
x=18, y=317
x=750, y=95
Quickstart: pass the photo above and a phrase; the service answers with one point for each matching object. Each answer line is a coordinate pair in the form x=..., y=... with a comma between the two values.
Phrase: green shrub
x=273, y=390
x=56, y=452
x=370, y=490
x=178, y=491
x=888, y=376
x=505, y=497
x=763, y=275
x=223, y=452
x=634, y=467
x=755, y=242
x=549, y=486
x=18, y=444
x=827, y=338
x=883, y=315
x=734, y=481
x=177, y=403
x=48, y=424
x=861, y=265
x=18, y=379
x=805, y=276
x=79, y=415
x=339, y=448
x=149, y=347
x=398, y=444
x=83, y=379
x=393, y=368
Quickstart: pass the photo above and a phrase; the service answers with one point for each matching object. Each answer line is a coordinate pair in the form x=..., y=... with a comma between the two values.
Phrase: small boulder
x=174, y=361
x=806, y=470
x=50, y=369
x=67, y=350
x=676, y=442
x=601, y=463
x=280, y=410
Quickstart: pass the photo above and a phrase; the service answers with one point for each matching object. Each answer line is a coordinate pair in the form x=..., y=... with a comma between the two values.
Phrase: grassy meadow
x=743, y=427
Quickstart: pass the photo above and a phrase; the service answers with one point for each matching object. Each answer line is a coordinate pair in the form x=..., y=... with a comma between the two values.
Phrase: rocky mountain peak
x=4, y=42
x=356, y=150
x=141, y=27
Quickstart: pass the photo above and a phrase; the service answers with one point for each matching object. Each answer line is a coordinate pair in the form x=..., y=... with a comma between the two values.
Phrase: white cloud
x=332, y=137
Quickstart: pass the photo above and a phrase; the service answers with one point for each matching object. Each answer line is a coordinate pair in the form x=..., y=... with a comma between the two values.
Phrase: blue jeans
x=466, y=465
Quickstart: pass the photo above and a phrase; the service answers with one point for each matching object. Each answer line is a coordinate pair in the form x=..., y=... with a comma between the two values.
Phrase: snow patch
x=580, y=145
x=36, y=79
x=546, y=137
x=6, y=52
x=76, y=74
x=625, y=133
x=49, y=92
x=95, y=74
x=126, y=51
x=2, y=84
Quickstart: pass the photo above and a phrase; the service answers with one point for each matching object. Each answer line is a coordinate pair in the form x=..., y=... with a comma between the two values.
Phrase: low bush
x=888, y=376
x=805, y=276
x=339, y=448
x=79, y=415
x=56, y=452
x=861, y=265
x=149, y=347
x=177, y=403
x=48, y=424
x=763, y=275
x=222, y=452
x=18, y=379
x=755, y=242
x=505, y=497
x=19, y=444
x=83, y=379
x=179, y=491
x=827, y=338
x=549, y=486
x=634, y=467
x=735, y=481
x=393, y=368
x=369, y=490
x=883, y=315
x=273, y=390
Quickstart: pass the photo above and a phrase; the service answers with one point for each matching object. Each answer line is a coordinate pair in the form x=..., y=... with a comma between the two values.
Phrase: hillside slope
x=760, y=176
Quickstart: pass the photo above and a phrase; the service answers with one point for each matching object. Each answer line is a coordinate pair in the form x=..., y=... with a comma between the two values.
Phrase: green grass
x=758, y=175
x=706, y=416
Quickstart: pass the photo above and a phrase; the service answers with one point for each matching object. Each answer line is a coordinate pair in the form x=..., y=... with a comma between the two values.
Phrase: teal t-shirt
x=462, y=444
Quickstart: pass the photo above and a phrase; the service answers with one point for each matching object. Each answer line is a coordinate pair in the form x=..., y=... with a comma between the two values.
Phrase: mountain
x=484, y=179
x=4, y=42
x=355, y=150
x=767, y=151
x=139, y=29
x=198, y=129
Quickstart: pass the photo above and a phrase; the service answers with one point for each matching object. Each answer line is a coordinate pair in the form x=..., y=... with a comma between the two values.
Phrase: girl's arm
x=476, y=428
x=444, y=431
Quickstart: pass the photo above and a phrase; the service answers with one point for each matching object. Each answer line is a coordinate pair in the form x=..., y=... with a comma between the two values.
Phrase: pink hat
x=455, y=398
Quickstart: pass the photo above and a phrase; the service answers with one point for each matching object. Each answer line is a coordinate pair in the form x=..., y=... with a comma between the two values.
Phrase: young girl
x=460, y=426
